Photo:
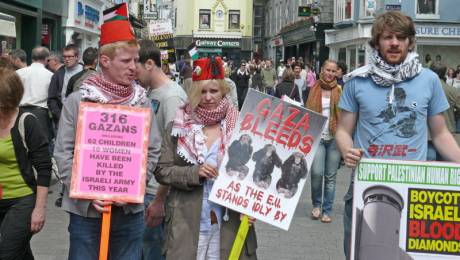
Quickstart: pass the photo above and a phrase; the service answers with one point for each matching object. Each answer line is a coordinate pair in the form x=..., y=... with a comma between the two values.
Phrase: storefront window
x=361, y=57
x=342, y=55
x=352, y=59
x=205, y=19
x=234, y=19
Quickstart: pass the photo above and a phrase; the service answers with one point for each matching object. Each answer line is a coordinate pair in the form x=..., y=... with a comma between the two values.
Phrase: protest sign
x=110, y=157
x=406, y=210
x=268, y=159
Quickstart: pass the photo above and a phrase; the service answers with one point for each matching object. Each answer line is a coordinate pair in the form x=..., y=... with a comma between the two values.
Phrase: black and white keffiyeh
x=384, y=74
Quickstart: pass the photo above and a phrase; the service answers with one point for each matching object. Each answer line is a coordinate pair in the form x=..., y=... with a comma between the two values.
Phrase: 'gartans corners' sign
x=217, y=43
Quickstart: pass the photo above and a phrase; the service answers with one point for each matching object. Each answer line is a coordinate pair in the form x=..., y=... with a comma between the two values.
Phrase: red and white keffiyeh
x=188, y=127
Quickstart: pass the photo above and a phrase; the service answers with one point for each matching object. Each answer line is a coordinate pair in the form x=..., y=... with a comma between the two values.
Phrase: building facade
x=222, y=27
x=289, y=35
x=437, y=29
x=37, y=22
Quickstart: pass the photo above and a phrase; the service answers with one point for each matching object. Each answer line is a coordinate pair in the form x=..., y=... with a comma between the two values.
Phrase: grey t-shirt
x=165, y=101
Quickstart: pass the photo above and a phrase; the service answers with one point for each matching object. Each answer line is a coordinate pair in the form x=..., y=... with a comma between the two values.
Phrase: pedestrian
x=189, y=167
x=60, y=79
x=311, y=75
x=19, y=58
x=269, y=77
x=456, y=81
x=166, y=96
x=36, y=80
x=287, y=86
x=450, y=76
x=115, y=84
x=23, y=150
x=256, y=80
x=390, y=103
x=54, y=61
x=300, y=82
x=241, y=79
x=342, y=69
x=232, y=94
x=89, y=68
x=280, y=70
x=324, y=98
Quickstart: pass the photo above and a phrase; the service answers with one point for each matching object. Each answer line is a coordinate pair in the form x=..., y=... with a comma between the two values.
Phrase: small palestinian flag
x=192, y=51
x=117, y=12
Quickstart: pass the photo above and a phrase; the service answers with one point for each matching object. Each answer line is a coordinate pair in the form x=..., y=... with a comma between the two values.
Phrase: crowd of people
x=195, y=112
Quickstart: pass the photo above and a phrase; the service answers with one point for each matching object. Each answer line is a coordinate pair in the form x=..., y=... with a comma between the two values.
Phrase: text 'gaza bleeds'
x=409, y=174
x=433, y=221
x=279, y=124
x=257, y=201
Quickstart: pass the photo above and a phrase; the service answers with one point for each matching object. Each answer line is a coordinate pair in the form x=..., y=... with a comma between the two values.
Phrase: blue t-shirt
x=396, y=130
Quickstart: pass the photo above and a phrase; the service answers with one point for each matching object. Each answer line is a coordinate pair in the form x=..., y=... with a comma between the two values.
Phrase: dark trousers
x=15, y=235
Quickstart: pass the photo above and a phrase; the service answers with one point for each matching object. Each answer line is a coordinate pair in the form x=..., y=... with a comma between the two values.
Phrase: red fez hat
x=116, y=26
x=208, y=68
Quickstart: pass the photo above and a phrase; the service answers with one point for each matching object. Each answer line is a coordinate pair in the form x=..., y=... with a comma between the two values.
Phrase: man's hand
x=155, y=213
x=207, y=171
x=38, y=219
x=352, y=157
x=99, y=205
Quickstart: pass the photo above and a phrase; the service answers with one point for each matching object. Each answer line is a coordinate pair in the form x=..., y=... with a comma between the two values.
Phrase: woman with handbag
x=23, y=152
x=287, y=86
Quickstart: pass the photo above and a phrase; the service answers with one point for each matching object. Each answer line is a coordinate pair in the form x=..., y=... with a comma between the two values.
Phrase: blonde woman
x=190, y=158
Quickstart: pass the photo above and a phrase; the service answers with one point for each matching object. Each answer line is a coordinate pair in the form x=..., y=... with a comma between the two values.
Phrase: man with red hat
x=115, y=84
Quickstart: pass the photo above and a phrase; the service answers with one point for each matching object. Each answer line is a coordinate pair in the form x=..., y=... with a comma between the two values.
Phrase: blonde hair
x=194, y=92
x=109, y=49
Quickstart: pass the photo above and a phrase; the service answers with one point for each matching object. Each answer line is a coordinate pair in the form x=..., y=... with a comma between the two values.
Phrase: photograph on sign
x=406, y=210
x=110, y=161
x=268, y=159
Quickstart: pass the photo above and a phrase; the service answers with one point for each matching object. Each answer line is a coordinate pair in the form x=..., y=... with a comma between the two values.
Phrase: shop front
x=8, y=33
x=439, y=40
x=233, y=48
x=350, y=45
x=83, y=24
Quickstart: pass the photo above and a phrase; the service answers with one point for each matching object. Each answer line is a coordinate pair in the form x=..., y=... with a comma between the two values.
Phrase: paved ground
x=306, y=238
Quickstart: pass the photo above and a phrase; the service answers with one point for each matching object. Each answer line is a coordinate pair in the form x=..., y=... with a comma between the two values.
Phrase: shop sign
x=165, y=42
x=80, y=12
x=437, y=31
x=217, y=43
x=392, y=7
x=304, y=11
x=92, y=16
x=160, y=27
x=278, y=41
x=150, y=12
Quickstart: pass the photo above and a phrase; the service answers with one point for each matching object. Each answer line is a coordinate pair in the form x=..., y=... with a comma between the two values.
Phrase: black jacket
x=38, y=154
x=54, y=94
x=288, y=88
x=241, y=80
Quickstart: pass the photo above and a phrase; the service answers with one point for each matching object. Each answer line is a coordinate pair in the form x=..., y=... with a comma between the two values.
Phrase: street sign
x=393, y=7
x=304, y=11
x=151, y=16
x=150, y=12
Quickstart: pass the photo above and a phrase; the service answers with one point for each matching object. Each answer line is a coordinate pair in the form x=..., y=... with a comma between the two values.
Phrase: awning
x=7, y=25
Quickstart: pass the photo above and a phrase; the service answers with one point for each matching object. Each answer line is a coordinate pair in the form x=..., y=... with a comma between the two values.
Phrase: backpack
x=21, y=128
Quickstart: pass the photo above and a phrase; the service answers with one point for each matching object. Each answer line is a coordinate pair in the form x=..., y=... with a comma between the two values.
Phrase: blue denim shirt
x=205, y=220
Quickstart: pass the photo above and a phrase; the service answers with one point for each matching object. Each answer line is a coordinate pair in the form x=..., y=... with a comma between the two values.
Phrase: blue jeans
x=125, y=242
x=325, y=166
x=153, y=237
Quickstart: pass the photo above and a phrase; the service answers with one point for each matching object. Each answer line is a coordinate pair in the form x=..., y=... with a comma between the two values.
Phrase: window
x=343, y=10
x=205, y=19
x=234, y=19
x=368, y=7
x=426, y=7
x=348, y=9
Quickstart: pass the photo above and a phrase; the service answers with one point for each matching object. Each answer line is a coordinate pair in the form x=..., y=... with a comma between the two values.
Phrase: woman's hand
x=207, y=171
x=251, y=220
x=38, y=219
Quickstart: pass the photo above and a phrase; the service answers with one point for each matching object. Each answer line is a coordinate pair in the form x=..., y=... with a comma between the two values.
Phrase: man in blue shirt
x=389, y=105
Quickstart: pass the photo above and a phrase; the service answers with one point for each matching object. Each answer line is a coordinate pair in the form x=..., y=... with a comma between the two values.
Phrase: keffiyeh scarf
x=384, y=74
x=188, y=127
x=97, y=89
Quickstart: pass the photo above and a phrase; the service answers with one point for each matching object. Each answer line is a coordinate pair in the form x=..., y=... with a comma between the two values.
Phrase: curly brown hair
x=394, y=21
